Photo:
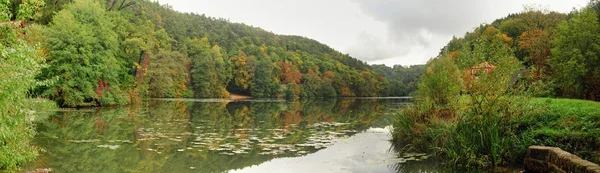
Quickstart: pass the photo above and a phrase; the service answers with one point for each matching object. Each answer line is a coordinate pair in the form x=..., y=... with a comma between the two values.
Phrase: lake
x=213, y=135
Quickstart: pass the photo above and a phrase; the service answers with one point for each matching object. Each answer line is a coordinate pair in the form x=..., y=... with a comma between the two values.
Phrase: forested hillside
x=114, y=52
x=402, y=80
x=560, y=53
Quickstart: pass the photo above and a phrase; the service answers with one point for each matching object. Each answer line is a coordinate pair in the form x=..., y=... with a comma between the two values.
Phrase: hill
x=118, y=51
x=559, y=52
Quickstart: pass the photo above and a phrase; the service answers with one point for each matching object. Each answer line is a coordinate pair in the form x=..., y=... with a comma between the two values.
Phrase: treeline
x=115, y=52
x=560, y=52
x=402, y=80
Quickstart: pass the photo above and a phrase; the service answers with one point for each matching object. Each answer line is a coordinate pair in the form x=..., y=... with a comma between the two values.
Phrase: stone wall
x=552, y=159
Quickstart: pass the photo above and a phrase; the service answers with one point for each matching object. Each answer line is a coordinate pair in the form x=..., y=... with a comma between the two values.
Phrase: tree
x=289, y=73
x=83, y=56
x=577, y=56
x=315, y=86
x=440, y=85
x=491, y=47
x=210, y=72
x=119, y=4
x=241, y=74
x=48, y=11
x=19, y=65
x=222, y=70
x=24, y=10
x=167, y=75
x=264, y=84
x=537, y=44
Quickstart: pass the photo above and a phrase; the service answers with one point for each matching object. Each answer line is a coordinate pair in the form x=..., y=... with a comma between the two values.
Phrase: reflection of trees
x=158, y=129
x=102, y=124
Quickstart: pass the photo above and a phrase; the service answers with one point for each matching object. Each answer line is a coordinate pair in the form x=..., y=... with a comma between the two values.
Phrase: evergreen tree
x=264, y=84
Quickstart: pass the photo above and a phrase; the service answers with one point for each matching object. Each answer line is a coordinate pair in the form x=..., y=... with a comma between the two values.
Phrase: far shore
x=238, y=97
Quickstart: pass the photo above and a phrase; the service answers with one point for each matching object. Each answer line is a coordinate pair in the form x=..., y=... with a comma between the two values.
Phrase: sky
x=390, y=32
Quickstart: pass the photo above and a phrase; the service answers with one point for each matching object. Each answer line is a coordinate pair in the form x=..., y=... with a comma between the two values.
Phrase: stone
x=552, y=159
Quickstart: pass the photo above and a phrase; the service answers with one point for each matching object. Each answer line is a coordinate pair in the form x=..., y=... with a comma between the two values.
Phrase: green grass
x=573, y=125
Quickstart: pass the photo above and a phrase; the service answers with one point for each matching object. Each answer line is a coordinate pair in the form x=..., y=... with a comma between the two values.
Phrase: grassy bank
x=499, y=139
x=573, y=125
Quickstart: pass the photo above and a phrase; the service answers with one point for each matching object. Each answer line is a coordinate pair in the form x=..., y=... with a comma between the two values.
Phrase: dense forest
x=114, y=52
x=402, y=80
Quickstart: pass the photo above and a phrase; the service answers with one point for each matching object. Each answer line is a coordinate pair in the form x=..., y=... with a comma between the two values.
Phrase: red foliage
x=289, y=73
x=101, y=87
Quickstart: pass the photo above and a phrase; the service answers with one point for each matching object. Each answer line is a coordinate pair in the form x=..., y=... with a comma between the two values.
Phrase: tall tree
x=289, y=73
x=264, y=84
x=210, y=73
x=82, y=56
x=168, y=75
x=577, y=56
x=241, y=72
x=537, y=44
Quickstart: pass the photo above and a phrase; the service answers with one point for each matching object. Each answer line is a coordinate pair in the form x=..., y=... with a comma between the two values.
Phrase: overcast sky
x=387, y=32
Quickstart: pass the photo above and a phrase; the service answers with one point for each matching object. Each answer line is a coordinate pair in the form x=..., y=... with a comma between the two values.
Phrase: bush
x=469, y=123
x=438, y=99
x=19, y=63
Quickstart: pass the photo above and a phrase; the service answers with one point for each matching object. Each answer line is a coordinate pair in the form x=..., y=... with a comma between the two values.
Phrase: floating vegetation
x=407, y=157
x=112, y=147
x=207, y=137
x=98, y=140
x=234, y=134
x=84, y=141
x=239, y=141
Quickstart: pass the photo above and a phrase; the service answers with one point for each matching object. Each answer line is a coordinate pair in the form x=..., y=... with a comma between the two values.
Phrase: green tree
x=264, y=84
x=241, y=74
x=19, y=65
x=440, y=85
x=48, y=11
x=167, y=75
x=20, y=10
x=82, y=56
x=577, y=56
x=315, y=86
x=210, y=73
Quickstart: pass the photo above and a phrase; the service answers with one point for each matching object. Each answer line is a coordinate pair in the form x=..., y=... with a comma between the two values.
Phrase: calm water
x=346, y=135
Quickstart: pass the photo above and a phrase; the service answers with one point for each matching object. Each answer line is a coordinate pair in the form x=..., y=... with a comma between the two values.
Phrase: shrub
x=19, y=63
x=469, y=123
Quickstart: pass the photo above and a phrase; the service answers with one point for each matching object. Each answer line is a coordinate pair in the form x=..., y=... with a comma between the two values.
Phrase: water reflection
x=207, y=136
